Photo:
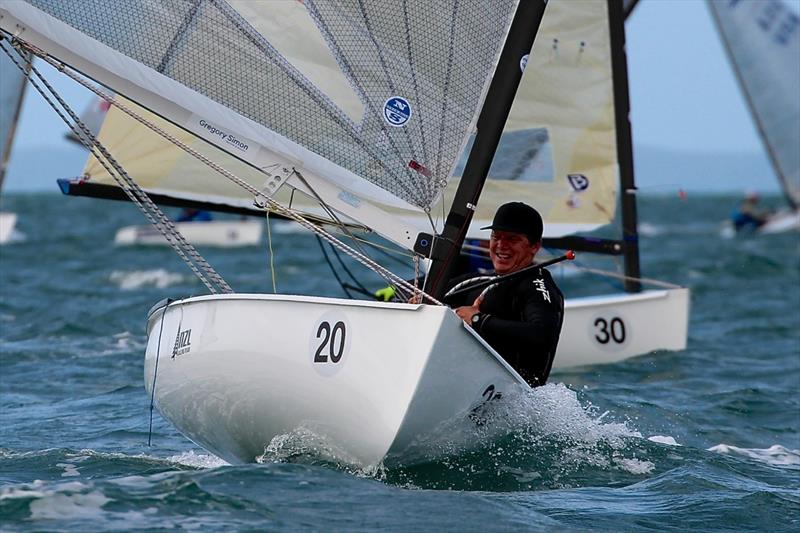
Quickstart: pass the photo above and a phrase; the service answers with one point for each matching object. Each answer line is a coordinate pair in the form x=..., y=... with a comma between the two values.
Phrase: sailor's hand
x=466, y=313
x=479, y=300
x=416, y=299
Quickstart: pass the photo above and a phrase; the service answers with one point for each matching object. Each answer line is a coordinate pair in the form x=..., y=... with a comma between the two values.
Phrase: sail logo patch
x=523, y=62
x=578, y=182
x=183, y=343
x=396, y=111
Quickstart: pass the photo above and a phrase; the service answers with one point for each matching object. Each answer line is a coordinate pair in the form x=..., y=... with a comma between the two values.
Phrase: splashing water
x=137, y=279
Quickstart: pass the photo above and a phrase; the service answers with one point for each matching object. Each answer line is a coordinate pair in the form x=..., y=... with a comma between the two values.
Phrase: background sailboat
x=389, y=171
x=12, y=91
x=762, y=42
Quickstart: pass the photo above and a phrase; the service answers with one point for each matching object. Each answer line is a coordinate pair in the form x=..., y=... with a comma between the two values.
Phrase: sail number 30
x=609, y=330
x=332, y=342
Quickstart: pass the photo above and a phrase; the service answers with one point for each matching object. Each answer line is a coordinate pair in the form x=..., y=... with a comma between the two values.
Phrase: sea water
x=706, y=439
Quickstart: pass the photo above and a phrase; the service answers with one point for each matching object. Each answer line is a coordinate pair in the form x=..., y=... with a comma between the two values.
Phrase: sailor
x=747, y=216
x=520, y=318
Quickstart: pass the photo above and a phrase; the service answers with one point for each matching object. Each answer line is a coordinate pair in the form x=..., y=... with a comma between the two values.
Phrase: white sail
x=762, y=39
x=558, y=152
x=251, y=101
x=12, y=91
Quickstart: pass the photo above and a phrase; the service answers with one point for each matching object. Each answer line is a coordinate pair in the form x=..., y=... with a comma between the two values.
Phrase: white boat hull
x=222, y=233
x=782, y=221
x=370, y=379
x=7, y=222
x=607, y=329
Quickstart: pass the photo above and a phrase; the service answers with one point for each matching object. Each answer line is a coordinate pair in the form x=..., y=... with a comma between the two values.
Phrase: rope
x=257, y=194
x=342, y=284
x=271, y=257
x=649, y=281
x=155, y=373
x=214, y=282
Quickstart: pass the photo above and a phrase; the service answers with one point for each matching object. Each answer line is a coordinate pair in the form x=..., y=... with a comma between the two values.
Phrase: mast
x=619, y=70
x=444, y=248
x=628, y=6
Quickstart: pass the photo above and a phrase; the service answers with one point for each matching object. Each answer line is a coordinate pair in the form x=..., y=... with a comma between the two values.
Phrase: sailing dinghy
x=763, y=45
x=365, y=108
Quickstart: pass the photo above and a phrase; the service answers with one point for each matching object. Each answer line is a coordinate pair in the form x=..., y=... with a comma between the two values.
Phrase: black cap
x=518, y=218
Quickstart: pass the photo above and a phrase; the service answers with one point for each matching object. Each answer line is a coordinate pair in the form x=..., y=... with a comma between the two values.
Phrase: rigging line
x=342, y=284
x=328, y=209
x=447, y=80
x=136, y=195
x=311, y=90
x=347, y=270
x=413, y=71
x=347, y=69
x=623, y=277
x=131, y=189
x=388, y=75
x=271, y=256
x=155, y=372
x=387, y=252
x=276, y=206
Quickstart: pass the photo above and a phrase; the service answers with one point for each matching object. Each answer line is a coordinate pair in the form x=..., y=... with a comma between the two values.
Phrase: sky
x=683, y=92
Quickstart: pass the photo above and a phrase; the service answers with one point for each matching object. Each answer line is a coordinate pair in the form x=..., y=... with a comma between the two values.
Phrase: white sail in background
x=558, y=151
x=12, y=91
x=162, y=168
x=92, y=117
x=205, y=67
x=762, y=39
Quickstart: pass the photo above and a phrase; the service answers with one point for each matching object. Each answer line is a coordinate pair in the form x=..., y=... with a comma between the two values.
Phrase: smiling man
x=520, y=318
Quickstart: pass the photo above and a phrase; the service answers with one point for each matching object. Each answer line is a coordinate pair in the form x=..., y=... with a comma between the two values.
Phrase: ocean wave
x=775, y=455
x=136, y=279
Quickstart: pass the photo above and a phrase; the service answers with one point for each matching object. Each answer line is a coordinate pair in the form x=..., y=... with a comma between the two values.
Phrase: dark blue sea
x=707, y=439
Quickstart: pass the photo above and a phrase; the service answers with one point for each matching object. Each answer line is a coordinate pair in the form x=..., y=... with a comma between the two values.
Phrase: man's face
x=511, y=251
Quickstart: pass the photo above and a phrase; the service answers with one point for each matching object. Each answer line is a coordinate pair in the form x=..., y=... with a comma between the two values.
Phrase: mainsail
x=558, y=151
x=418, y=69
x=12, y=90
x=762, y=39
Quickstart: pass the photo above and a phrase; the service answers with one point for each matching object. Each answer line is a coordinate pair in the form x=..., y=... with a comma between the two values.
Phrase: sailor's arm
x=539, y=323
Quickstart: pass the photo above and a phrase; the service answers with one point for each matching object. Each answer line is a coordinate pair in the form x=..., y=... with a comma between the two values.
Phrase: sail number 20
x=332, y=342
x=609, y=330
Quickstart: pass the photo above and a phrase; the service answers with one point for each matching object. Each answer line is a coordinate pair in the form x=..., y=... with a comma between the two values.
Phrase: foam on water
x=197, y=460
x=136, y=279
x=775, y=455
x=662, y=439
